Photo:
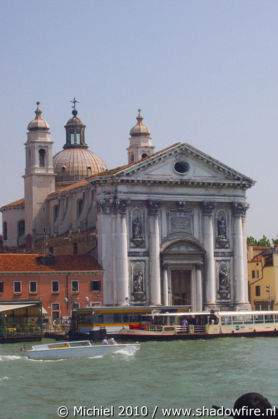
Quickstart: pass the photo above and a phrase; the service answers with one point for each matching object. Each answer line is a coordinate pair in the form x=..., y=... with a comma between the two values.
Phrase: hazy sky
x=203, y=72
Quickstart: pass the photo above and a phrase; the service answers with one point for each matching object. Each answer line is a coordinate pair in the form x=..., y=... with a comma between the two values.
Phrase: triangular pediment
x=183, y=163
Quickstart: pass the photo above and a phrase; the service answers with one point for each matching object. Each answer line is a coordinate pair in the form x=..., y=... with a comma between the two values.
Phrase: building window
x=55, y=313
x=144, y=155
x=1, y=287
x=181, y=167
x=258, y=291
x=17, y=287
x=21, y=228
x=5, y=231
x=75, y=248
x=72, y=137
x=258, y=274
x=75, y=306
x=42, y=157
x=78, y=141
x=55, y=286
x=33, y=286
x=74, y=286
x=253, y=274
x=95, y=285
x=131, y=158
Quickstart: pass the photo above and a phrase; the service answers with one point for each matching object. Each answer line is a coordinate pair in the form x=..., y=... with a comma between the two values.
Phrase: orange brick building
x=61, y=282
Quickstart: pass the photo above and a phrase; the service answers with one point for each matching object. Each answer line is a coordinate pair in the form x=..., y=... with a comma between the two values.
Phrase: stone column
x=245, y=258
x=240, y=283
x=199, y=288
x=210, y=296
x=154, y=247
x=165, y=285
x=122, y=255
x=105, y=248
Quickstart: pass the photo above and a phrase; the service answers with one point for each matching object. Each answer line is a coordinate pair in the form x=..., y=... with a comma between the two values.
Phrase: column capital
x=112, y=205
x=165, y=265
x=153, y=207
x=198, y=266
x=208, y=207
x=104, y=206
x=239, y=208
x=122, y=206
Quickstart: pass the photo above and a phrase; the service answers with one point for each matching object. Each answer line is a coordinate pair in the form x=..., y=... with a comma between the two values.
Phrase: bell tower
x=39, y=178
x=140, y=141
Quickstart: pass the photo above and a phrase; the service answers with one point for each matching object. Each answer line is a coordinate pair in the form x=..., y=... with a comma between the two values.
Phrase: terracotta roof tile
x=14, y=204
x=35, y=263
x=75, y=185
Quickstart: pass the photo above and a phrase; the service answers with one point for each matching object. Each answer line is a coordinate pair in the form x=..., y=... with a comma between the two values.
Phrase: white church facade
x=168, y=228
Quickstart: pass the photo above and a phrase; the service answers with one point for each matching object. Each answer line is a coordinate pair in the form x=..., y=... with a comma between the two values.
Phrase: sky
x=203, y=72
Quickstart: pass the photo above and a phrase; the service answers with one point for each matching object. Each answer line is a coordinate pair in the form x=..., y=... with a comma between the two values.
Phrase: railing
x=191, y=329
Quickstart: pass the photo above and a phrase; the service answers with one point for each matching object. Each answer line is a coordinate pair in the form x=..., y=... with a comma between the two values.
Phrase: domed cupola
x=140, y=141
x=38, y=123
x=75, y=131
x=76, y=161
x=140, y=130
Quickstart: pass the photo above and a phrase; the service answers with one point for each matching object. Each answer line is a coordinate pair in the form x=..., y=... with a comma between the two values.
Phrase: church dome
x=76, y=161
x=74, y=164
x=38, y=123
x=140, y=130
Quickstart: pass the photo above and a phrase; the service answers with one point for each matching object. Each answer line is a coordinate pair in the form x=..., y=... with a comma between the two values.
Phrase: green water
x=184, y=374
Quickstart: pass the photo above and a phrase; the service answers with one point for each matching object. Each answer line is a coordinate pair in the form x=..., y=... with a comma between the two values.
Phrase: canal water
x=161, y=375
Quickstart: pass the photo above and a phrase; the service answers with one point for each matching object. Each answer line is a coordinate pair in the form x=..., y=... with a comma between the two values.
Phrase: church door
x=181, y=287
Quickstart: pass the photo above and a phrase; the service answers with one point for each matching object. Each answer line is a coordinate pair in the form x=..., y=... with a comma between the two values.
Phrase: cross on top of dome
x=74, y=101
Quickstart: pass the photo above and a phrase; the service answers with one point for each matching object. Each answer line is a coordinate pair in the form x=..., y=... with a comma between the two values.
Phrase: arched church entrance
x=182, y=273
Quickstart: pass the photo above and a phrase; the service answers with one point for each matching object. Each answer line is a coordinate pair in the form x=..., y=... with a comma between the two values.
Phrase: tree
x=251, y=240
x=264, y=241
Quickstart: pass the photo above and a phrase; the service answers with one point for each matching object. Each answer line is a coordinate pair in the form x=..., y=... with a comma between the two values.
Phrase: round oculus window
x=181, y=167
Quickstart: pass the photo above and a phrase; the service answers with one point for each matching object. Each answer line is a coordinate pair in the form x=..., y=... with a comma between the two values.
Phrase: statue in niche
x=221, y=239
x=138, y=287
x=224, y=281
x=137, y=231
x=136, y=228
x=138, y=282
x=221, y=226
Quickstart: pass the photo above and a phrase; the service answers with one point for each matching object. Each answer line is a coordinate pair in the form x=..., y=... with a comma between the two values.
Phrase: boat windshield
x=81, y=343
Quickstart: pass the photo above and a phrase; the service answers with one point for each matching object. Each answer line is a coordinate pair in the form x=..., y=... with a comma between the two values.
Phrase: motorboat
x=78, y=349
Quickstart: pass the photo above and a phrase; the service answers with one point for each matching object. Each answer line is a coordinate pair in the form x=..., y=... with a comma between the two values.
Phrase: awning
x=8, y=307
x=44, y=311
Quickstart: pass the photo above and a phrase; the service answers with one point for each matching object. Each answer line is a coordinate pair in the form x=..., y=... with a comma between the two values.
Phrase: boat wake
x=95, y=357
x=126, y=351
x=4, y=378
x=11, y=357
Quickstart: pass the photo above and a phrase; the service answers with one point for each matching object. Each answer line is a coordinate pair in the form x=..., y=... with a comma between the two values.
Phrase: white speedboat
x=77, y=349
